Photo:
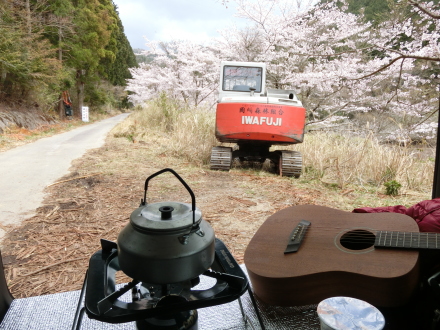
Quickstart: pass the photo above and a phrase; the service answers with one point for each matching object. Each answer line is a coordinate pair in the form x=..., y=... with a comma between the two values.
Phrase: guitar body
x=323, y=267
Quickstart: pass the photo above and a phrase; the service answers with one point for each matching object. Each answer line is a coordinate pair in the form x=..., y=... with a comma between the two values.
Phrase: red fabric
x=426, y=213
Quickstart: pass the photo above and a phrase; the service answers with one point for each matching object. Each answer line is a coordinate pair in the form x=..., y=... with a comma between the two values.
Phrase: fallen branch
x=52, y=265
x=243, y=201
x=79, y=177
x=347, y=192
x=56, y=208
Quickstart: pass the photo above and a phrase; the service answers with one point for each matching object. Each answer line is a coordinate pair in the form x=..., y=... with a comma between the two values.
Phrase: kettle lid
x=165, y=217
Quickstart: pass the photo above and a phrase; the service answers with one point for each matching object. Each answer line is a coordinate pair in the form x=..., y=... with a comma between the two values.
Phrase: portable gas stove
x=165, y=248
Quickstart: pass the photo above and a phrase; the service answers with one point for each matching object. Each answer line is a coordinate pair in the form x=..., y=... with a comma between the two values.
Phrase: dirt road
x=25, y=171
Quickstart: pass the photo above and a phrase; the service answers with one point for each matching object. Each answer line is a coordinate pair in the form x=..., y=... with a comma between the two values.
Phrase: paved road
x=26, y=170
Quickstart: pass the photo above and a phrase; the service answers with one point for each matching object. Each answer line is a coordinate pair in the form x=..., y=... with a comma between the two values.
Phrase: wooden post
x=436, y=184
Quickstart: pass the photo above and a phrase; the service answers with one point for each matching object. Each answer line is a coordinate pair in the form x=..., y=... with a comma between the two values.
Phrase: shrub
x=392, y=187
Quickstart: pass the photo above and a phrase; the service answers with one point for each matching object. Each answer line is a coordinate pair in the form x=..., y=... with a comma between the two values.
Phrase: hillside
x=23, y=117
x=62, y=47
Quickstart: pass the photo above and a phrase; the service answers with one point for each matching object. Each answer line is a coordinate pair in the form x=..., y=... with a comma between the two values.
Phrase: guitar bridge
x=296, y=237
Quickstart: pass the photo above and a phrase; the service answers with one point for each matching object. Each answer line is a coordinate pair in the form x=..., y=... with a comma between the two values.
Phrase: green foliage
x=101, y=48
x=60, y=44
x=93, y=27
x=314, y=173
x=98, y=95
x=373, y=10
x=117, y=71
x=389, y=174
x=168, y=109
x=392, y=187
x=26, y=58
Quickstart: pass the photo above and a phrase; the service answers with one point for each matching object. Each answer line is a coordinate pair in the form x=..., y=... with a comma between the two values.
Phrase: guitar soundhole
x=358, y=239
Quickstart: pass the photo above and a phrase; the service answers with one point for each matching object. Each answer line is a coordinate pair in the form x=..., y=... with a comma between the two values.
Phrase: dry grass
x=332, y=158
x=189, y=133
x=344, y=160
x=49, y=253
x=17, y=136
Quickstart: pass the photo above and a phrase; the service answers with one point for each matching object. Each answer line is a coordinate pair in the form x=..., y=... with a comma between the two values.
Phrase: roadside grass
x=351, y=169
x=17, y=136
x=175, y=130
x=342, y=160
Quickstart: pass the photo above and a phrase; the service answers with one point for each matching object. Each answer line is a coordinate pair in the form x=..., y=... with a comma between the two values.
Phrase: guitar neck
x=407, y=240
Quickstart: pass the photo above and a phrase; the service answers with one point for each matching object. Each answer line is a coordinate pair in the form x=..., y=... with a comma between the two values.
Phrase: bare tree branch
x=397, y=85
x=425, y=119
x=423, y=9
x=330, y=115
x=335, y=54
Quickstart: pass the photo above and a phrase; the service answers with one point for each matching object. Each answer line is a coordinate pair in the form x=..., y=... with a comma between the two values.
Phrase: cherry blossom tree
x=343, y=68
x=340, y=65
x=408, y=45
x=302, y=50
x=184, y=71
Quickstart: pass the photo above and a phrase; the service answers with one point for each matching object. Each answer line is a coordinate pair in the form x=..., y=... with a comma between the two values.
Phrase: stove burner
x=185, y=320
x=158, y=306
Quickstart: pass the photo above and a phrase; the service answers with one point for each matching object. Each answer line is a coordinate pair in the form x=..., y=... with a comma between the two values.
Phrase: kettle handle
x=193, y=197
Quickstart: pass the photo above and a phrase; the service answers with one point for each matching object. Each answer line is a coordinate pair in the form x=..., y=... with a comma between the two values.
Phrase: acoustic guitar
x=304, y=254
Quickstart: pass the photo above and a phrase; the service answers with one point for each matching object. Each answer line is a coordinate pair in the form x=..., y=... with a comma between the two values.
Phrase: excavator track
x=221, y=158
x=290, y=163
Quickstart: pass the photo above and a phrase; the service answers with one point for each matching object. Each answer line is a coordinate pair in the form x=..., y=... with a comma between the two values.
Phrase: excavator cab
x=237, y=78
x=255, y=118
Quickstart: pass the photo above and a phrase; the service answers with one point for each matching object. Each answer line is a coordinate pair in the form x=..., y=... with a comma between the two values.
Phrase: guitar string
x=364, y=236
x=388, y=233
x=403, y=243
x=368, y=230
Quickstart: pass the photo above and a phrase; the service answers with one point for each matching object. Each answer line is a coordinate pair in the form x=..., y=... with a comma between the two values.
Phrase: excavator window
x=242, y=78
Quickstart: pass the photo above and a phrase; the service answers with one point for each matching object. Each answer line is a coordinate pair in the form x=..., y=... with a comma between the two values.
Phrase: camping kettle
x=166, y=242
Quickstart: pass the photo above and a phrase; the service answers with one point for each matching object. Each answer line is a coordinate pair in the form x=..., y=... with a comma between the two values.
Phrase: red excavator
x=255, y=118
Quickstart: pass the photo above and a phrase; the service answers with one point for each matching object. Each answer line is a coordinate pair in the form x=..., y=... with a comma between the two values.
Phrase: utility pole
x=436, y=185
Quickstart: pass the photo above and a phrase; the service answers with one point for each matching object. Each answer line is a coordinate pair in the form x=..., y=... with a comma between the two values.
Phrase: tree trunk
x=61, y=111
x=60, y=49
x=3, y=73
x=28, y=17
x=79, y=91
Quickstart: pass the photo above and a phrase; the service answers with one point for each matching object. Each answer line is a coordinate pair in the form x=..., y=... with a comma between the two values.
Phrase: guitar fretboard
x=407, y=240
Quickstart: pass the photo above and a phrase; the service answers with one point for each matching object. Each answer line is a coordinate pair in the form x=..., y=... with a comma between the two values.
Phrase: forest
x=51, y=46
x=370, y=67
